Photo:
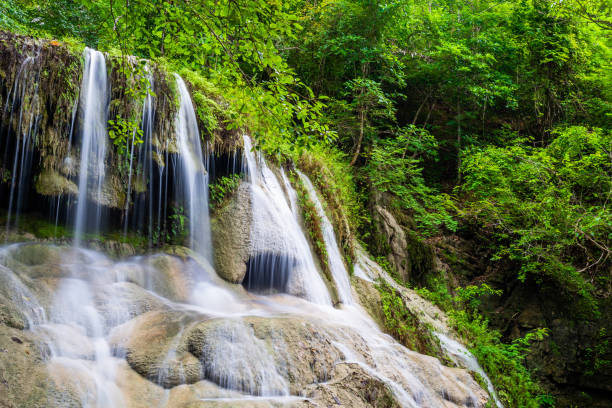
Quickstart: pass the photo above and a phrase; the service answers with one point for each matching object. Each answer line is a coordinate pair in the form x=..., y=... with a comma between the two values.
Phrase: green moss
x=51, y=183
x=404, y=326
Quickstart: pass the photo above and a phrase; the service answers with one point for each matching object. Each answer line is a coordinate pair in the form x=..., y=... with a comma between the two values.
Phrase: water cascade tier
x=228, y=307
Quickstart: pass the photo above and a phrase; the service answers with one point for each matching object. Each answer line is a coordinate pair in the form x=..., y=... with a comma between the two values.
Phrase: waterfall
x=163, y=330
x=194, y=174
x=334, y=258
x=462, y=357
x=24, y=96
x=281, y=257
x=143, y=204
x=94, y=106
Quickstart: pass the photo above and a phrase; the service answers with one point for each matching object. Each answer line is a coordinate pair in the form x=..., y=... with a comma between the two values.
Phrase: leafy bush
x=222, y=188
x=395, y=167
x=546, y=208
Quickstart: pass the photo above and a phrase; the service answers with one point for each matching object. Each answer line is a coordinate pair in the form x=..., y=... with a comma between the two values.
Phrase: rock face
x=410, y=257
x=231, y=226
x=396, y=240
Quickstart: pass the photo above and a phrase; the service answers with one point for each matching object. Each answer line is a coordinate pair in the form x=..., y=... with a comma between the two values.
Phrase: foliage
x=546, y=207
x=503, y=362
x=596, y=360
x=177, y=228
x=395, y=167
x=123, y=131
x=222, y=188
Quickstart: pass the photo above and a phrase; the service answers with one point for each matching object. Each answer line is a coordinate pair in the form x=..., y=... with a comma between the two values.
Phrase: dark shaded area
x=268, y=272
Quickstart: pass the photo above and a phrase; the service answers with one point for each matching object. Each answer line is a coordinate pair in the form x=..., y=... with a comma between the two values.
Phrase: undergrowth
x=504, y=363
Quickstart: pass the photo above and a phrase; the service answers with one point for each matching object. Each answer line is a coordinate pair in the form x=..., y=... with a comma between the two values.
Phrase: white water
x=194, y=176
x=334, y=258
x=368, y=270
x=462, y=357
x=94, y=106
x=277, y=237
x=24, y=93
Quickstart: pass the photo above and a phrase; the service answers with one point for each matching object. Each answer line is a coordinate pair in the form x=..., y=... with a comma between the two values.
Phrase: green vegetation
x=484, y=121
x=546, y=207
x=312, y=222
x=223, y=188
x=404, y=326
x=503, y=362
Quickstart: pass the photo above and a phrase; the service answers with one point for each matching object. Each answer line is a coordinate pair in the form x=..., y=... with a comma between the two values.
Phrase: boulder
x=153, y=345
x=231, y=226
x=24, y=378
x=52, y=183
x=353, y=387
x=122, y=301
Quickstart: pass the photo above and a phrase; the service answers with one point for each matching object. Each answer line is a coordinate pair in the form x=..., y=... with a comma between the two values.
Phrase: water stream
x=334, y=258
x=92, y=169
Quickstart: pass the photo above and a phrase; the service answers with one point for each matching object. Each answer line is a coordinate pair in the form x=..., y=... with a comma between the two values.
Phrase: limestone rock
x=353, y=387
x=231, y=235
x=24, y=379
x=153, y=346
x=51, y=183
x=396, y=239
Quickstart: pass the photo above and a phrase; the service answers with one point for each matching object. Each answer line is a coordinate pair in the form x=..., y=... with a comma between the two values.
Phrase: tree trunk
x=458, y=142
x=362, y=115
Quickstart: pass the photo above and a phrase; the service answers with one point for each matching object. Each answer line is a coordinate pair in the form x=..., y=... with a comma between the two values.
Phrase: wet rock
x=51, y=183
x=11, y=315
x=24, y=379
x=36, y=254
x=66, y=341
x=231, y=235
x=111, y=194
x=396, y=240
x=269, y=355
x=170, y=277
x=369, y=297
x=153, y=346
x=353, y=387
x=122, y=301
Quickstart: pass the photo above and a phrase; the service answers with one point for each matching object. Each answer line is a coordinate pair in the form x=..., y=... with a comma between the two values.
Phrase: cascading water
x=164, y=331
x=334, y=258
x=194, y=174
x=281, y=257
x=143, y=180
x=25, y=98
x=94, y=106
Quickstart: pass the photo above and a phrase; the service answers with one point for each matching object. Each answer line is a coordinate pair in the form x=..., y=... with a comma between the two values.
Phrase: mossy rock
x=24, y=378
x=230, y=226
x=37, y=254
x=51, y=183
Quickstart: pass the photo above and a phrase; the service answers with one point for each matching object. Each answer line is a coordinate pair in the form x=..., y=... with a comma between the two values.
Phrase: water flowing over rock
x=194, y=177
x=334, y=258
x=275, y=348
x=92, y=169
x=165, y=328
x=280, y=257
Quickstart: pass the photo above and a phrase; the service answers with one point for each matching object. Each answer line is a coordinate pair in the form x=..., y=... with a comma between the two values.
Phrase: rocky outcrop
x=154, y=347
x=52, y=183
x=410, y=257
x=299, y=358
x=231, y=227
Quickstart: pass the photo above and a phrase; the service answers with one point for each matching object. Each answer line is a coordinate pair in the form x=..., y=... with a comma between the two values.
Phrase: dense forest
x=466, y=144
